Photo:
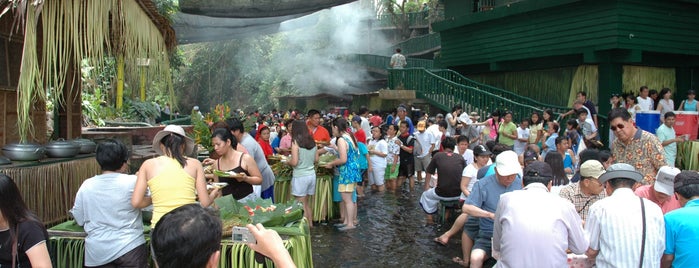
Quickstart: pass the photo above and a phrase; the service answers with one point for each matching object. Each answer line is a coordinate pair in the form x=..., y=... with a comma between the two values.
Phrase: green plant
x=140, y=111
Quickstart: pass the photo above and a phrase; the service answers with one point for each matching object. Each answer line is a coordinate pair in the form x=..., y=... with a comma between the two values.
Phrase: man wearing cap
x=482, y=203
x=471, y=128
x=634, y=146
x=424, y=144
x=523, y=230
x=661, y=192
x=450, y=165
x=625, y=230
x=681, y=225
x=588, y=190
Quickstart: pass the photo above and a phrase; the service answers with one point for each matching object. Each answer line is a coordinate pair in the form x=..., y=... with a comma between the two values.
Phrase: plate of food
x=228, y=174
x=322, y=142
x=217, y=185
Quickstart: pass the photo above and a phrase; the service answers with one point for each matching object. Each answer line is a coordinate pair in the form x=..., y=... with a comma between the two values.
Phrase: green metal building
x=550, y=49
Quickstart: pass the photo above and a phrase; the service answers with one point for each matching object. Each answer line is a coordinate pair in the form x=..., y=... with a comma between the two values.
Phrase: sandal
x=439, y=241
x=346, y=228
x=459, y=261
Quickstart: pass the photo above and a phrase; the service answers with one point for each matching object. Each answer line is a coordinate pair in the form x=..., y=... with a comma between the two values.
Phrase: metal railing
x=444, y=93
x=417, y=44
x=460, y=79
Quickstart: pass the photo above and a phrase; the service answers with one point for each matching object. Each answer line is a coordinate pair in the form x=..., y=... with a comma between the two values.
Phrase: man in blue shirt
x=681, y=225
x=483, y=202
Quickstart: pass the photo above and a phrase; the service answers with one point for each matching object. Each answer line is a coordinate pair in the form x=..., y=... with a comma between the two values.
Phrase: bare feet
x=441, y=241
x=459, y=261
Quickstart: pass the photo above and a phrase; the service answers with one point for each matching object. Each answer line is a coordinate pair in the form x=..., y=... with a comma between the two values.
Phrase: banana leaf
x=261, y=210
x=72, y=226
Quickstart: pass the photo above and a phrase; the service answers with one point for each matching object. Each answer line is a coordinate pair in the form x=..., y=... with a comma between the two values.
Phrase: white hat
x=173, y=129
x=665, y=180
x=507, y=163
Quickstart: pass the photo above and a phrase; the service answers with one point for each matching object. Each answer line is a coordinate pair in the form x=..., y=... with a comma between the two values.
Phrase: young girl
x=690, y=104
x=349, y=174
x=378, y=149
x=493, y=125
x=23, y=237
x=536, y=129
x=303, y=155
x=392, y=157
x=632, y=106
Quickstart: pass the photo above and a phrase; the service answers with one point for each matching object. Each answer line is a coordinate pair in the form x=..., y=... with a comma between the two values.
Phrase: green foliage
x=140, y=111
x=167, y=8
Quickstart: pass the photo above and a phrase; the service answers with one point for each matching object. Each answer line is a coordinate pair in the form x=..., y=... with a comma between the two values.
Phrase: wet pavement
x=391, y=233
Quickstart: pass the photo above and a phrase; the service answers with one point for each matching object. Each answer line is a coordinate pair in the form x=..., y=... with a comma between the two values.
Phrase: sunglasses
x=619, y=126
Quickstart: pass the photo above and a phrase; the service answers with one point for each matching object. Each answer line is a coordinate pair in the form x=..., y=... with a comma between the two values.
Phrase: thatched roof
x=161, y=22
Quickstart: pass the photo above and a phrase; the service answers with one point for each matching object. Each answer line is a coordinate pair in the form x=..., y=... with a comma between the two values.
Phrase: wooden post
x=143, y=83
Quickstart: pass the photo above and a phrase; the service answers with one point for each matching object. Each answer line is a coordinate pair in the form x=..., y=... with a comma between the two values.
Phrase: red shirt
x=319, y=133
x=646, y=192
x=360, y=136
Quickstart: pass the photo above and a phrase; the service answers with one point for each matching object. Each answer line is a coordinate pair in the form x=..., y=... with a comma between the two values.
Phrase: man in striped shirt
x=625, y=230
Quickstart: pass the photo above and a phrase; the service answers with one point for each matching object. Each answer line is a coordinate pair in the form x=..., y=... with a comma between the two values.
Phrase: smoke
x=310, y=58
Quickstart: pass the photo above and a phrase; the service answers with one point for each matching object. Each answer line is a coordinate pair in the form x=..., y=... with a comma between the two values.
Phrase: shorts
x=422, y=163
x=304, y=185
x=388, y=175
x=406, y=170
x=137, y=257
x=471, y=227
x=377, y=176
x=483, y=242
x=336, y=194
x=346, y=188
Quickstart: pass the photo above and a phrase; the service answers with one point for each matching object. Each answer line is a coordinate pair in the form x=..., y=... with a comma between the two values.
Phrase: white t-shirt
x=470, y=171
x=467, y=155
x=450, y=129
x=646, y=104
x=381, y=146
x=434, y=129
x=426, y=139
x=521, y=145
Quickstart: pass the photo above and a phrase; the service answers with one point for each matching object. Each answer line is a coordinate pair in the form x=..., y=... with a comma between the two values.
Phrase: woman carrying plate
x=231, y=160
x=173, y=178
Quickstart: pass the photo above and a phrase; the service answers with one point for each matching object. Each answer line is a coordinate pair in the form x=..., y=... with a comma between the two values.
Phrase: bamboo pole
x=143, y=84
x=120, y=82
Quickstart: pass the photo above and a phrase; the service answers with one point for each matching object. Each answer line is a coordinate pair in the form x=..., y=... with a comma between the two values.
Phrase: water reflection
x=391, y=233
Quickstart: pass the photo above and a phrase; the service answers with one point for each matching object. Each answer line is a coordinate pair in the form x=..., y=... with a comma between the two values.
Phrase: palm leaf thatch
x=77, y=30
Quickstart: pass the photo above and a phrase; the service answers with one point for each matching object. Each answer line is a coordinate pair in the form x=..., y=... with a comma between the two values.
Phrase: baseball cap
x=420, y=126
x=481, y=150
x=591, y=168
x=538, y=169
x=474, y=115
x=620, y=170
x=665, y=180
x=439, y=116
x=356, y=118
x=530, y=155
x=506, y=163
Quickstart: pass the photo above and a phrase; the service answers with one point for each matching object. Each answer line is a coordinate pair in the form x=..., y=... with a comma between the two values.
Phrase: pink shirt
x=670, y=204
x=285, y=142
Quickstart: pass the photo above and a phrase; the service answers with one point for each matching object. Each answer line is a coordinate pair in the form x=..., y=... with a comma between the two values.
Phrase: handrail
x=417, y=44
x=458, y=78
x=445, y=93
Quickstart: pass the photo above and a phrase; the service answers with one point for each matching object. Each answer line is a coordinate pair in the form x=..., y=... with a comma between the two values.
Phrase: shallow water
x=391, y=233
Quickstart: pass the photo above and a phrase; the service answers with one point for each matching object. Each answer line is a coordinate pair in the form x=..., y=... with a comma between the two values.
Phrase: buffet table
x=67, y=247
x=688, y=155
x=48, y=186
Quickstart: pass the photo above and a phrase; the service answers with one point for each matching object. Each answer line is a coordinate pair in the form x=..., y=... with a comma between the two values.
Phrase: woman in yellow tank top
x=173, y=178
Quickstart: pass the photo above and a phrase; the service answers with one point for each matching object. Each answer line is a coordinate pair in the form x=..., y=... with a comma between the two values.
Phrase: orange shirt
x=319, y=133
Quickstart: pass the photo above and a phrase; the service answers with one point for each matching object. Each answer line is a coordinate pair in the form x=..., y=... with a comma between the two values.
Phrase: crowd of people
x=573, y=186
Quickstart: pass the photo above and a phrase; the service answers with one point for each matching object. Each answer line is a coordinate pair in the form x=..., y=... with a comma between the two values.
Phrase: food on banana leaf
x=325, y=159
x=228, y=174
x=260, y=210
x=282, y=170
x=209, y=169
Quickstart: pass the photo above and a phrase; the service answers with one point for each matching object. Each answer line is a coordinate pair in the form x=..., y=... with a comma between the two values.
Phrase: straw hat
x=173, y=129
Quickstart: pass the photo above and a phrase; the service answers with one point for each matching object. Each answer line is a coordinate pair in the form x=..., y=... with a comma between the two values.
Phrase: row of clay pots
x=59, y=149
